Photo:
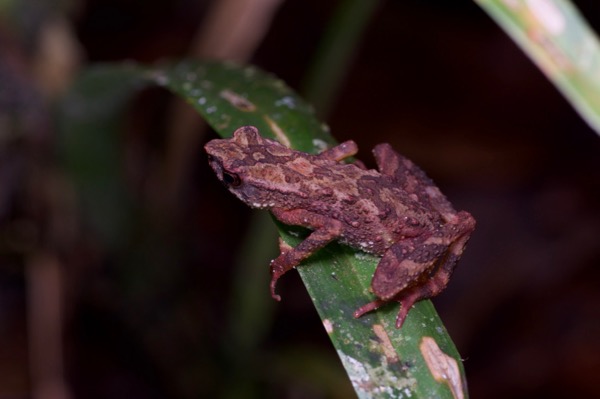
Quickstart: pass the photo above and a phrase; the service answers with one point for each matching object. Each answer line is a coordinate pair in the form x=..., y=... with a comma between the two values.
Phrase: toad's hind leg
x=439, y=278
x=432, y=286
x=404, y=265
x=410, y=272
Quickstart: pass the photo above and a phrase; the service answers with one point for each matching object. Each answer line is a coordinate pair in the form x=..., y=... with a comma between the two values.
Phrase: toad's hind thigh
x=417, y=269
x=407, y=277
x=404, y=264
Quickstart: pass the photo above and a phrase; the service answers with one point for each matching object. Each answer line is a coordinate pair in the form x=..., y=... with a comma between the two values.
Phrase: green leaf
x=556, y=37
x=228, y=97
x=419, y=360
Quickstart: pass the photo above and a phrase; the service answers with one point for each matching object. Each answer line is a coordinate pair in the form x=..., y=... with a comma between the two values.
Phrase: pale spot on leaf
x=278, y=132
x=319, y=144
x=548, y=15
x=442, y=367
x=241, y=103
x=386, y=344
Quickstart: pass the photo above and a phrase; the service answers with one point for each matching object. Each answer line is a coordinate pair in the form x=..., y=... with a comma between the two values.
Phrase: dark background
x=447, y=88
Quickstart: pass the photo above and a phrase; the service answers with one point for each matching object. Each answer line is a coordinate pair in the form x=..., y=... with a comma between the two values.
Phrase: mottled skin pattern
x=396, y=212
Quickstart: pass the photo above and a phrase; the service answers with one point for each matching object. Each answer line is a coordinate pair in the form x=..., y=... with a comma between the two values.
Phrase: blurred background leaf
x=559, y=40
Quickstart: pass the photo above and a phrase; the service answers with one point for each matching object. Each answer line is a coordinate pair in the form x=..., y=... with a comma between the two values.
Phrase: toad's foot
x=406, y=303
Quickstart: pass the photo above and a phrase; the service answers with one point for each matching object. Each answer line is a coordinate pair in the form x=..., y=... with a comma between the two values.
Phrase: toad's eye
x=231, y=179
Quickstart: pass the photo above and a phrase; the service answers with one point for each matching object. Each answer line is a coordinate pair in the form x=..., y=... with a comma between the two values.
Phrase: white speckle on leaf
x=287, y=101
x=328, y=326
x=202, y=100
x=319, y=144
x=361, y=256
x=211, y=110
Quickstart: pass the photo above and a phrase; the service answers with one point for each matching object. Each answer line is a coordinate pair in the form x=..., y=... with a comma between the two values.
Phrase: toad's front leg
x=325, y=231
x=340, y=151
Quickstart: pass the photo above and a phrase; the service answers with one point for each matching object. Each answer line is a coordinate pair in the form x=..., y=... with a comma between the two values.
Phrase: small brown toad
x=396, y=212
